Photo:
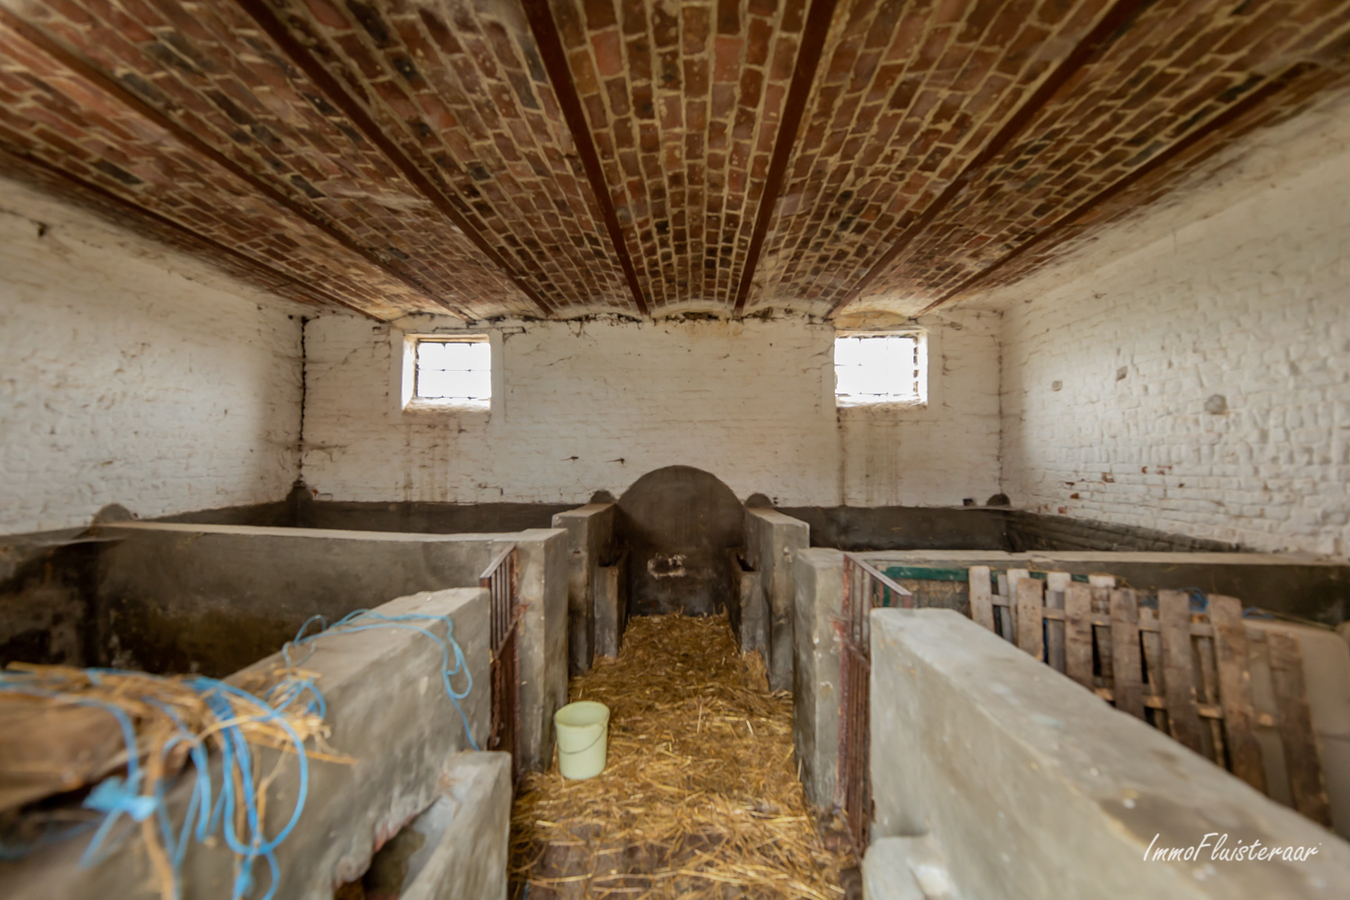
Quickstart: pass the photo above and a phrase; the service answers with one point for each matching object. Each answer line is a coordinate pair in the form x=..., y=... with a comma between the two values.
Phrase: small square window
x=880, y=368
x=453, y=371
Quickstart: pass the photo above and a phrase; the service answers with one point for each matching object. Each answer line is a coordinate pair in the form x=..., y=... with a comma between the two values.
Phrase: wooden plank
x=1300, y=747
x=1078, y=634
x=1056, y=584
x=1005, y=619
x=1125, y=652
x=1235, y=690
x=1174, y=612
x=1014, y=576
x=1149, y=629
x=981, y=599
x=1101, y=629
x=1030, y=599
x=1211, y=731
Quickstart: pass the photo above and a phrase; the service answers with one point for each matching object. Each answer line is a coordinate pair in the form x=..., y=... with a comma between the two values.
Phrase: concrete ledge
x=386, y=707
x=1034, y=788
x=1317, y=589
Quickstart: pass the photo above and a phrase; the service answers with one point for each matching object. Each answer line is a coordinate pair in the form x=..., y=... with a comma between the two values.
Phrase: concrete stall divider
x=994, y=776
x=611, y=605
x=590, y=545
x=747, y=607
x=213, y=598
x=387, y=708
x=772, y=541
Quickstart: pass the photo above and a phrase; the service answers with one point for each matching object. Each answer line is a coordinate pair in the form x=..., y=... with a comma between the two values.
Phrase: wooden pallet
x=1187, y=674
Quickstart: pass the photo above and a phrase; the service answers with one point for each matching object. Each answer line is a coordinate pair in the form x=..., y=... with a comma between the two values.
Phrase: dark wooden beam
x=559, y=73
x=121, y=212
x=1089, y=48
x=1057, y=230
x=818, y=19
x=90, y=72
x=341, y=98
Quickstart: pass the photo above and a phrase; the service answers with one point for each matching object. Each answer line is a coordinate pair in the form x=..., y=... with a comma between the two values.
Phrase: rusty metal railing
x=502, y=581
x=864, y=589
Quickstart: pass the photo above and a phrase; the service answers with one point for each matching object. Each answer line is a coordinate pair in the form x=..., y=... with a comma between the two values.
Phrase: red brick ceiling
x=567, y=157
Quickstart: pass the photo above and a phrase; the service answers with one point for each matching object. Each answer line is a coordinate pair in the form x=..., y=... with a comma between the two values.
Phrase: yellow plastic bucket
x=583, y=732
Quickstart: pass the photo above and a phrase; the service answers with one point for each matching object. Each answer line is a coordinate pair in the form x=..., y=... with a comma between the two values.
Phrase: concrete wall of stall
x=386, y=709
x=211, y=598
x=1028, y=786
x=1318, y=590
x=772, y=541
x=590, y=548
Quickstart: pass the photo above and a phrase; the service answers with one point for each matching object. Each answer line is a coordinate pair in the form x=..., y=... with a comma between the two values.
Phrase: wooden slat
x=1150, y=630
x=1300, y=747
x=981, y=599
x=1207, y=693
x=1078, y=634
x=1174, y=612
x=1056, y=584
x=1014, y=576
x=1125, y=652
x=1204, y=710
x=1004, y=613
x=1235, y=690
x=1030, y=600
x=1101, y=628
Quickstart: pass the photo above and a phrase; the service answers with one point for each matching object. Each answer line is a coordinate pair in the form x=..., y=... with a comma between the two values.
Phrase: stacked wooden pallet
x=1187, y=673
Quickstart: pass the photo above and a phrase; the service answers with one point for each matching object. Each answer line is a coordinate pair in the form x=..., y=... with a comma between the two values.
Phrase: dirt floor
x=700, y=795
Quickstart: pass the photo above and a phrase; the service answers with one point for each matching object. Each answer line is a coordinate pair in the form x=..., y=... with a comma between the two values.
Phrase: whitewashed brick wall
x=131, y=375
x=1251, y=304
x=941, y=454
x=596, y=406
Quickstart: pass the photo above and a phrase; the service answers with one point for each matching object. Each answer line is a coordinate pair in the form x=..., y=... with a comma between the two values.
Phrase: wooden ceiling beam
x=91, y=73
x=1058, y=230
x=123, y=212
x=341, y=98
x=1108, y=27
x=818, y=19
x=559, y=72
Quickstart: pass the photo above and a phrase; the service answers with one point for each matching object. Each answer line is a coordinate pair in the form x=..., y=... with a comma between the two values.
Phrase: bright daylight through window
x=880, y=368
x=453, y=371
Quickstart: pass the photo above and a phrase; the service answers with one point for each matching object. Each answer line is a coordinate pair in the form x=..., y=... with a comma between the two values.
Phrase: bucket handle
x=588, y=746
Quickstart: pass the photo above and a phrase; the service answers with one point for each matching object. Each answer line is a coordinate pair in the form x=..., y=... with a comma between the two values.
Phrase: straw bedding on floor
x=700, y=796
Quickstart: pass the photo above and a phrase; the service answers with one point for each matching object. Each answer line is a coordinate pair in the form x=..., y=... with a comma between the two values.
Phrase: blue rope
x=116, y=796
x=210, y=810
x=449, y=648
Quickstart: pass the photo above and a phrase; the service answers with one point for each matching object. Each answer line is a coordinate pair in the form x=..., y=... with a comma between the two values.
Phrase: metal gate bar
x=502, y=581
x=864, y=589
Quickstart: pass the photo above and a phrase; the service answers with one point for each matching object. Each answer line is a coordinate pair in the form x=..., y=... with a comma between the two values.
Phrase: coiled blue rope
x=209, y=809
x=452, y=655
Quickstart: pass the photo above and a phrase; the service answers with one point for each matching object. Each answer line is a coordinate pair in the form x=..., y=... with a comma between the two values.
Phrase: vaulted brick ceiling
x=569, y=157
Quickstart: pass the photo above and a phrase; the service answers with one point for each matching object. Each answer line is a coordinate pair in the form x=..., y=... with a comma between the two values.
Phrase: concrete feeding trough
x=388, y=710
x=211, y=599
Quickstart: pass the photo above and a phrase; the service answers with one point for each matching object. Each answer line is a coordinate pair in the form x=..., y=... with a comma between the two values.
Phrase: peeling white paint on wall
x=1198, y=382
x=130, y=374
x=587, y=407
